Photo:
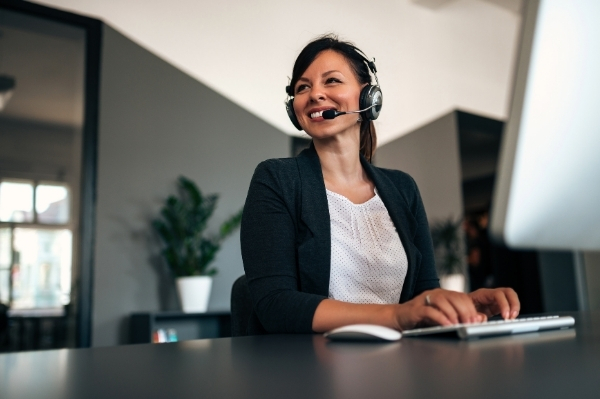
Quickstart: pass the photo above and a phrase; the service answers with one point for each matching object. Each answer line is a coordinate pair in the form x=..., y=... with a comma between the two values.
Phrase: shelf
x=187, y=325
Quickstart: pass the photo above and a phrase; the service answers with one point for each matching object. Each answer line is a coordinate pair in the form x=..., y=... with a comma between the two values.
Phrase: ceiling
x=431, y=58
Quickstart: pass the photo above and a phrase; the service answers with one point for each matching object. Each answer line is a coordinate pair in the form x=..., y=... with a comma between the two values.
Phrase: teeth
x=316, y=114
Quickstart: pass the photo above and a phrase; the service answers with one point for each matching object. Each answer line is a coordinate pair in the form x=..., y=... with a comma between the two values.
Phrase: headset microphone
x=332, y=113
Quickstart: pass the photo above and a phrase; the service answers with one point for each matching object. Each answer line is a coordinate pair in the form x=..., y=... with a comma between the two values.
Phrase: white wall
x=430, y=61
x=157, y=123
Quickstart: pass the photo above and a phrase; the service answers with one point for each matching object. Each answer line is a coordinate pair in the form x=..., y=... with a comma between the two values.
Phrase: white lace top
x=368, y=261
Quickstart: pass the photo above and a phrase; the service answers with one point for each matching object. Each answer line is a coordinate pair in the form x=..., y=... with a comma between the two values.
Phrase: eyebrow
x=323, y=75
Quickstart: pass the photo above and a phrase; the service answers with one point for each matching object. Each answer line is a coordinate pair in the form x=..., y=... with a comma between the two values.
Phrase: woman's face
x=328, y=83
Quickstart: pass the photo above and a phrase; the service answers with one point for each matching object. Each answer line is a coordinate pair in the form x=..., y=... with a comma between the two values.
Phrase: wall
x=431, y=156
x=592, y=272
x=430, y=61
x=157, y=123
x=34, y=150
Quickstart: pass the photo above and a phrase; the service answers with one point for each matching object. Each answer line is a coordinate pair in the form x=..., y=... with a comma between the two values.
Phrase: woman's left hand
x=494, y=301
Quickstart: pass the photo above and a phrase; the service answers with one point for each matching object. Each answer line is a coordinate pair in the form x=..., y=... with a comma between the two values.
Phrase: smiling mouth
x=318, y=114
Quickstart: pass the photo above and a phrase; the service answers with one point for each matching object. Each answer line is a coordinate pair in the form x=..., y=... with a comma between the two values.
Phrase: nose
x=317, y=93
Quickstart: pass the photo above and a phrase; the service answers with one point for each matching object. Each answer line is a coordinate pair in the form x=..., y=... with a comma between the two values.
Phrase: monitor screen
x=547, y=193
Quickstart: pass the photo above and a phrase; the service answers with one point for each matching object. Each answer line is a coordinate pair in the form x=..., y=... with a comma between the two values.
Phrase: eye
x=332, y=80
x=301, y=87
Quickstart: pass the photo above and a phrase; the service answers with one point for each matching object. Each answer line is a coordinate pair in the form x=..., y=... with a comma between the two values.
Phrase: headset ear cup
x=289, y=107
x=370, y=95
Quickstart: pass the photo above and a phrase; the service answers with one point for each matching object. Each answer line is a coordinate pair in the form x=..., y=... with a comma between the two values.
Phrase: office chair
x=241, y=307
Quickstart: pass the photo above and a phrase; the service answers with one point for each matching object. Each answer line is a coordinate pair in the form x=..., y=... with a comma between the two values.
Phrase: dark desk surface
x=558, y=364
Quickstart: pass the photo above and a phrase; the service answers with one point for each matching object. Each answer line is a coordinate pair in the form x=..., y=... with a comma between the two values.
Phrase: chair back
x=241, y=307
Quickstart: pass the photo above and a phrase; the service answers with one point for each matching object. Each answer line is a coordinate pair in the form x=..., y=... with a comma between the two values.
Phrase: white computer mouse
x=363, y=332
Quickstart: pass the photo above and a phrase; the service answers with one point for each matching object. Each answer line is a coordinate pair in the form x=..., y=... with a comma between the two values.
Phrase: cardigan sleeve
x=427, y=278
x=268, y=242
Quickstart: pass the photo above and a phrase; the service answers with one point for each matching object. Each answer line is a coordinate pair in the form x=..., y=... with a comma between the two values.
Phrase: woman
x=330, y=240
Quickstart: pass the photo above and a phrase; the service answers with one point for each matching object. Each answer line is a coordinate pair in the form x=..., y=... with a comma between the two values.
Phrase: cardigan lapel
x=405, y=223
x=314, y=252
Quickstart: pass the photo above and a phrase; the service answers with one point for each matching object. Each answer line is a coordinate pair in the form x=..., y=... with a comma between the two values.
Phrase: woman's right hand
x=436, y=307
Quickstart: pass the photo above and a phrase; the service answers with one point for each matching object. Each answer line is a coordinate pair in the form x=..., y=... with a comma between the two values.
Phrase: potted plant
x=448, y=254
x=188, y=251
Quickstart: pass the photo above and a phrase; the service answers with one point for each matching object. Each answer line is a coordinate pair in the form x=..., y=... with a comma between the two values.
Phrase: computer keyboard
x=496, y=327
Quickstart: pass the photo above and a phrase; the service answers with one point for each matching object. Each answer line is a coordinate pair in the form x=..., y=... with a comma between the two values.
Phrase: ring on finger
x=427, y=301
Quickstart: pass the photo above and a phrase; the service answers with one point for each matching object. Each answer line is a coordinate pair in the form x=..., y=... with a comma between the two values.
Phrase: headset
x=369, y=102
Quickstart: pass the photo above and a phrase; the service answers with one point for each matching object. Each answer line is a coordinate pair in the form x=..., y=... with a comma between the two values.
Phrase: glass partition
x=42, y=128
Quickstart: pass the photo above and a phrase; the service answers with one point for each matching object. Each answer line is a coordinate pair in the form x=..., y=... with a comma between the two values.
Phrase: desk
x=558, y=364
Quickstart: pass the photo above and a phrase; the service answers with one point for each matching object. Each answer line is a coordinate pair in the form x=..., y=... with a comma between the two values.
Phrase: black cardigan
x=286, y=239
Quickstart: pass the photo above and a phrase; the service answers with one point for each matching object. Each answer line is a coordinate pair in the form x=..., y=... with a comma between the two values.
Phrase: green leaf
x=191, y=190
x=188, y=250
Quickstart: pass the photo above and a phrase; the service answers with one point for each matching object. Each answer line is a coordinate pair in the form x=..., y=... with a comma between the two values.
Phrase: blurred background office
x=103, y=104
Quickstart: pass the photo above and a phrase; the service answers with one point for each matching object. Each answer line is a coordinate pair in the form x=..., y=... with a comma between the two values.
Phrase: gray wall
x=431, y=156
x=592, y=272
x=157, y=123
x=34, y=150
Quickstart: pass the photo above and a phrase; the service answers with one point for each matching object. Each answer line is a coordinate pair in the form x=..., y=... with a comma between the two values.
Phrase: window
x=41, y=268
x=36, y=242
x=52, y=203
x=16, y=201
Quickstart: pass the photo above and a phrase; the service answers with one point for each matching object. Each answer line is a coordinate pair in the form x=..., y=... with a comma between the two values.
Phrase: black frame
x=93, y=47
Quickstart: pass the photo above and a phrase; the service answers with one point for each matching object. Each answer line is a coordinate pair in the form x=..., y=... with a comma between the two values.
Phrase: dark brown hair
x=357, y=61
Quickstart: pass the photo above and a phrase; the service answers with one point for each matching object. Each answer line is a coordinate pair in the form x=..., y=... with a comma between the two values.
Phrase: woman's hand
x=491, y=302
x=437, y=307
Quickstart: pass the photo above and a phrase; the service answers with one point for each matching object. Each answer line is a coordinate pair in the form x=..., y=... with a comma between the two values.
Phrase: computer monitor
x=547, y=193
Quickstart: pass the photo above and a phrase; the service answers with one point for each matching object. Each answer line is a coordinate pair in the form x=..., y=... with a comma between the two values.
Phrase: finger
x=481, y=300
x=433, y=316
x=513, y=302
x=443, y=305
x=481, y=317
x=463, y=305
x=502, y=304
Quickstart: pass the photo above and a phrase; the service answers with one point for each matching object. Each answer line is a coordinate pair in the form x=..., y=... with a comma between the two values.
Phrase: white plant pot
x=194, y=293
x=453, y=282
